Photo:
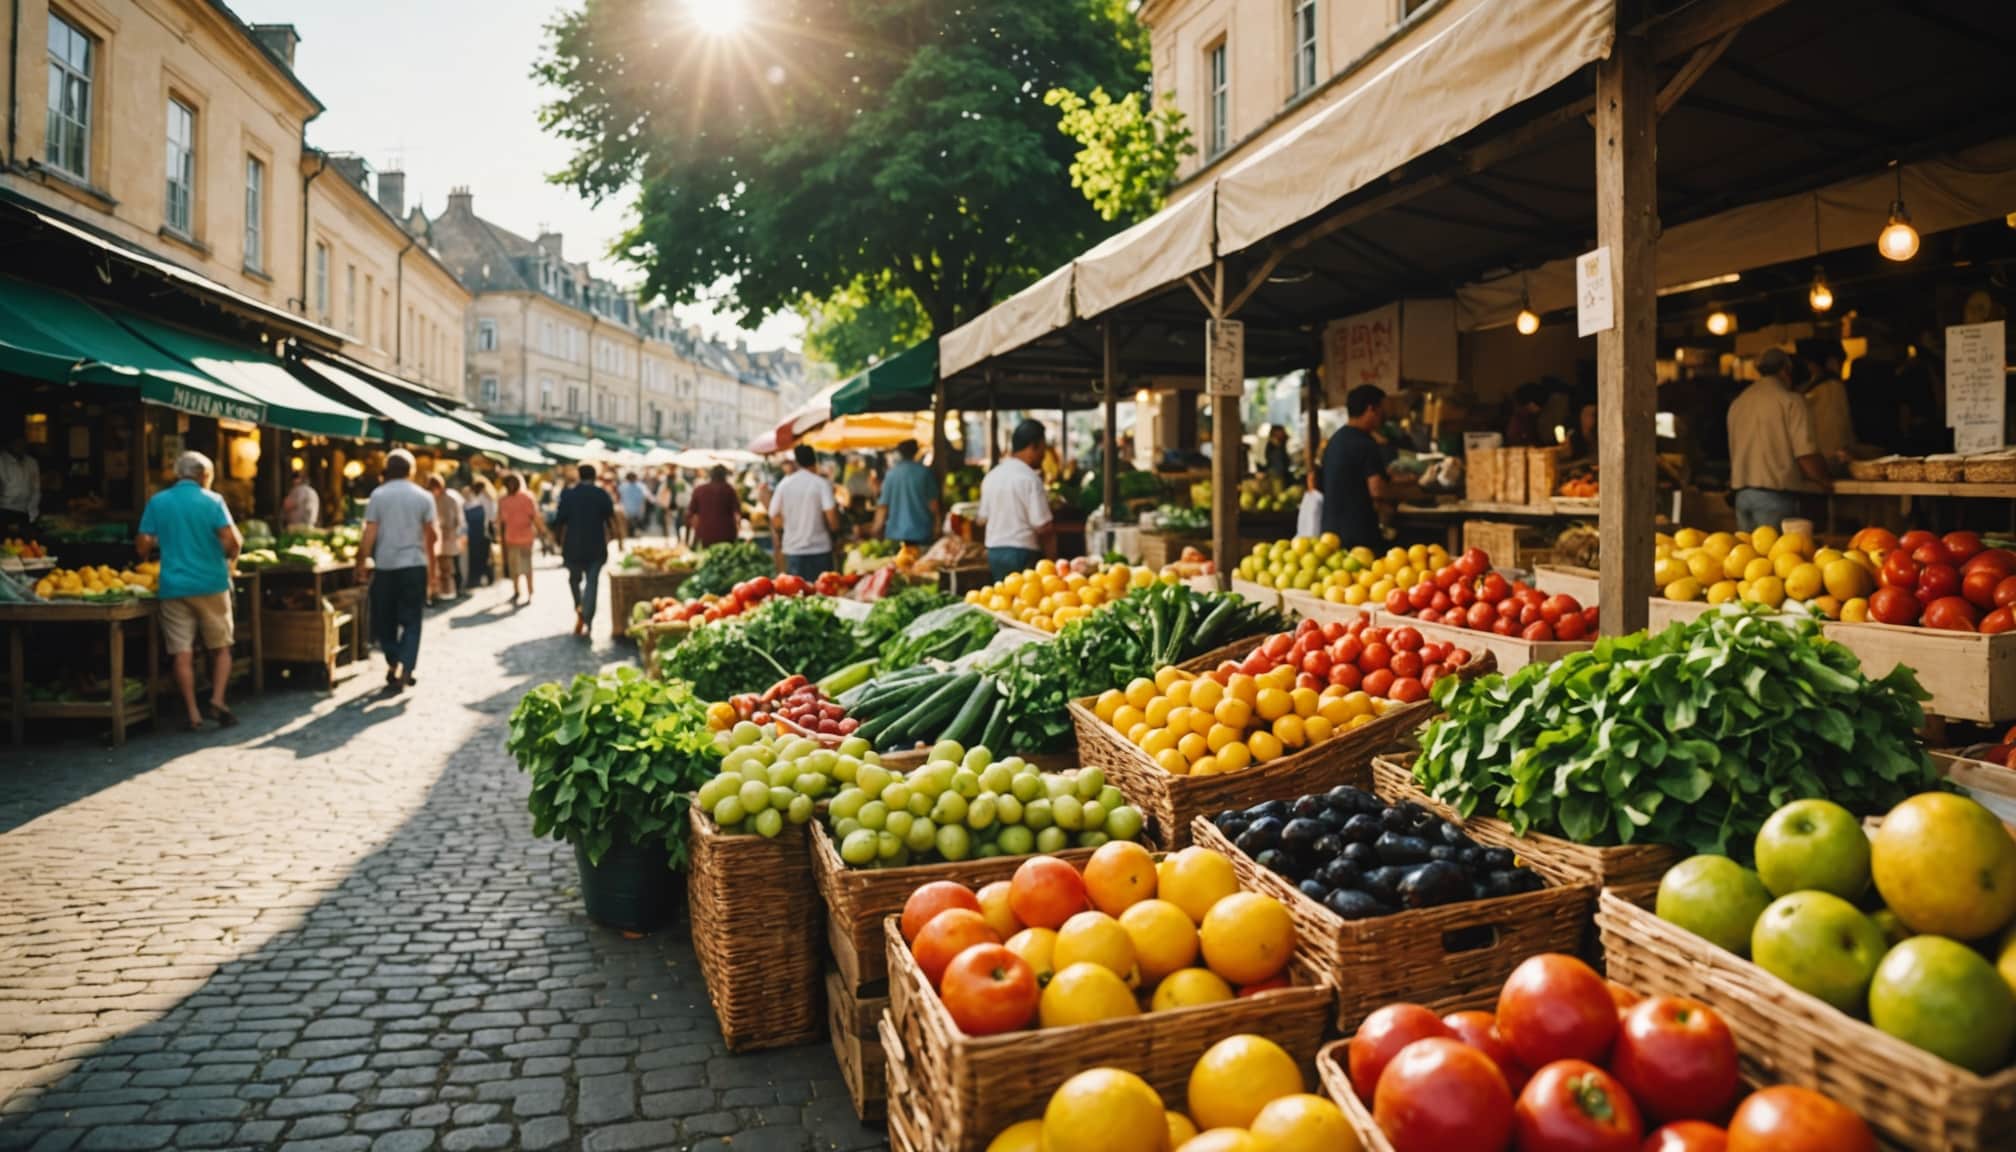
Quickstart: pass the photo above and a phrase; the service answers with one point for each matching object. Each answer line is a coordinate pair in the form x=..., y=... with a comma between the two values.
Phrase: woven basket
x=1910, y=1096
x=1905, y=470
x=1992, y=470
x=1333, y=1068
x=906, y=1124
x=858, y=899
x=755, y=915
x=855, y=1024
x=1448, y=958
x=974, y=1086
x=1944, y=469
x=1868, y=469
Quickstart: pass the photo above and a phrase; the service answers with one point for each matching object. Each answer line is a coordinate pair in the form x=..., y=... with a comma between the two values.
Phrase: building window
x=350, y=298
x=72, y=56
x=486, y=335
x=1218, y=114
x=1304, y=22
x=487, y=392
x=255, y=213
x=573, y=400
x=545, y=394
x=181, y=167
x=322, y=281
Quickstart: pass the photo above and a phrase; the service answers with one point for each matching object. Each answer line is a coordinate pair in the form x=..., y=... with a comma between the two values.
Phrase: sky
x=443, y=88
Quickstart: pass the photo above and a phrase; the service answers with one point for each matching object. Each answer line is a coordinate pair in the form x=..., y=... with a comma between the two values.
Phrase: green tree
x=1127, y=152
x=869, y=320
x=835, y=144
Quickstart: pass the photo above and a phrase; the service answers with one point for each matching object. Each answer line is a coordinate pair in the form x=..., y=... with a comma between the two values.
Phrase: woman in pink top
x=518, y=520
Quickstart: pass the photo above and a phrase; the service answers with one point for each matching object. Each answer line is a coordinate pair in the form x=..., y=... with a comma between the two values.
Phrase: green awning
x=902, y=383
x=290, y=404
x=51, y=335
x=411, y=423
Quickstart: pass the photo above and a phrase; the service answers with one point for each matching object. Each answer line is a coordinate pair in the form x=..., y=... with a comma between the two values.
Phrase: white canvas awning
x=1034, y=312
x=1150, y=255
x=1468, y=61
x=966, y=345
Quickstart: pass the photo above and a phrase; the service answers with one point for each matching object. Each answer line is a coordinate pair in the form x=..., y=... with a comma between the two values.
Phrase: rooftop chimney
x=461, y=202
x=392, y=193
x=550, y=241
x=279, y=40
x=353, y=168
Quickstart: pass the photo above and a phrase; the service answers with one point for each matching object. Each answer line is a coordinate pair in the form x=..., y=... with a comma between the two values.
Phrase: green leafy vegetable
x=748, y=653
x=892, y=614
x=613, y=757
x=1693, y=736
x=941, y=634
x=723, y=566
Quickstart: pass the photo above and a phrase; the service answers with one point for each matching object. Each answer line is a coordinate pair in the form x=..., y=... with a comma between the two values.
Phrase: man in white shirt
x=1015, y=507
x=20, y=487
x=303, y=507
x=803, y=518
x=1773, y=454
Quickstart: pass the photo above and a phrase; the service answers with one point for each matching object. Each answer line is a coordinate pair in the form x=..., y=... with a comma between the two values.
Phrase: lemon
x=1783, y=564
x=1704, y=566
x=1303, y=1123
x=1223, y=1140
x=1690, y=538
x=1855, y=611
x=1164, y=939
x=1719, y=544
x=1769, y=591
x=1684, y=590
x=1096, y=938
x=1194, y=879
x=1722, y=592
x=1239, y=1076
x=1738, y=559
x=1763, y=537
x=1846, y=579
x=1756, y=570
x=1026, y=1136
x=1105, y=1110
x=1180, y=1128
x=1804, y=582
x=1084, y=993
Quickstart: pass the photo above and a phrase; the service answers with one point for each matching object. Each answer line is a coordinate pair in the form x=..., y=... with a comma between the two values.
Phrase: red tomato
x=989, y=990
x=1473, y=562
x=1440, y=1094
x=1346, y=676
x=1431, y=673
x=1952, y=614
x=1333, y=631
x=1979, y=586
x=2005, y=592
x=1457, y=657
x=1381, y=1037
x=947, y=935
x=1434, y=651
x=790, y=585
x=1789, y=1119
x=1539, y=630
x=1996, y=622
x=1462, y=595
x=1590, y=616
x=1560, y=604
x=1571, y=628
x=1937, y=581
x=1405, y=639
x=1372, y=636
x=1687, y=1136
x=1317, y=663
x=1574, y=1106
x=1555, y=1007
x=1276, y=647
x=1045, y=892
x=1308, y=627
x=1494, y=588
x=1961, y=546
x=1510, y=608
x=1447, y=576
x=1256, y=663
x=1899, y=571
x=1529, y=616
x=1894, y=605
x=1347, y=650
x=1396, y=602
x=1429, y=616
x=1931, y=552
x=1376, y=656
x=1482, y=615
x=1406, y=690
x=1999, y=559
x=1678, y=1059
x=1422, y=594
x=1405, y=663
x=1480, y=1031
x=1505, y=626
x=761, y=588
x=1378, y=682
x=1267, y=985
x=1313, y=683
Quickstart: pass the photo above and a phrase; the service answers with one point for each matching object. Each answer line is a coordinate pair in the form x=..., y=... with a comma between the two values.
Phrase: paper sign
x=1361, y=349
x=1225, y=358
x=1976, y=384
x=1972, y=438
x=1595, y=305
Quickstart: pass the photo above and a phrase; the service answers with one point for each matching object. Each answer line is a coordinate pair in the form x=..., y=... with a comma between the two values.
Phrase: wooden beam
x=1703, y=22
x=1109, y=381
x=1696, y=67
x=1225, y=375
x=1627, y=223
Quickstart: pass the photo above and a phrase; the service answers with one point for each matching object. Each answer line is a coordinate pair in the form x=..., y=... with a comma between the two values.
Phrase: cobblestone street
x=330, y=929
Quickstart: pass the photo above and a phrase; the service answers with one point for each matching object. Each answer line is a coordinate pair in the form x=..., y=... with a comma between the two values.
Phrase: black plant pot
x=632, y=889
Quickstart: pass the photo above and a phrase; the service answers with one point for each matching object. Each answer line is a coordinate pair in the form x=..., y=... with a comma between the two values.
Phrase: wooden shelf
x=1960, y=490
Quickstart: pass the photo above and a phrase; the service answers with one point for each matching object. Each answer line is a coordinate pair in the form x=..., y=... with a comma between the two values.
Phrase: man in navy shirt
x=586, y=519
x=1354, y=470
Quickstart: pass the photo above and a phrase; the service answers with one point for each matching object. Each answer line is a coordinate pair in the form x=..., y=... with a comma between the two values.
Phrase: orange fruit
x=1180, y=1129
x=1291, y=731
x=1189, y=986
x=1119, y=875
x=1193, y=748
x=1239, y=1076
x=1082, y=994
x=1194, y=880
x=1272, y=704
x=1233, y=713
x=1165, y=941
x=994, y=906
x=1096, y=938
x=1038, y=948
x=1304, y=1123
x=1247, y=937
x=1205, y=694
x=1222, y=1140
x=1026, y=1136
x=1105, y=1110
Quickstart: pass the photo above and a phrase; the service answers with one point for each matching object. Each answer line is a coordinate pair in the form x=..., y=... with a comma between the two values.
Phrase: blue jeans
x=1002, y=561
x=808, y=565
x=398, y=604
x=1755, y=506
x=584, y=583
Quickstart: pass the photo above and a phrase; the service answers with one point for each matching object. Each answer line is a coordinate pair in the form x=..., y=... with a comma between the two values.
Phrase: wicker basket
x=1448, y=958
x=1946, y=469
x=906, y=1118
x=1869, y=469
x=1543, y=474
x=1480, y=476
x=1991, y=470
x=1905, y=470
x=858, y=899
x=855, y=1023
x=1333, y=1068
x=972, y=1087
x=1911, y=1097
x=755, y=915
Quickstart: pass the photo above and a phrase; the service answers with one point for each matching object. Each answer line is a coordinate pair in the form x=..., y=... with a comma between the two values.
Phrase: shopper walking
x=632, y=496
x=1354, y=470
x=303, y=506
x=448, y=519
x=803, y=518
x=907, y=510
x=714, y=511
x=1015, y=506
x=1774, y=456
x=190, y=529
x=586, y=519
x=519, y=523
x=479, y=516
x=396, y=555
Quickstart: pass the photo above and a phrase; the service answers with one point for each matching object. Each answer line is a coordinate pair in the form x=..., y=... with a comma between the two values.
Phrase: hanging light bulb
x=1820, y=297
x=1898, y=240
x=1528, y=322
x=1720, y=323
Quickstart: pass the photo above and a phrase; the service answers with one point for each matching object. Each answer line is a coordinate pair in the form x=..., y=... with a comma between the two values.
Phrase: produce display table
x=1581, y=583
x=629, y=587
x=114, y=617
x=1512, y=652
x=314, y=635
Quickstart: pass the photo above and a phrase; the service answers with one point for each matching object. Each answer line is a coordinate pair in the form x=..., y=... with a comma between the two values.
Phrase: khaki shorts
x=517, y=561
x=184, y=617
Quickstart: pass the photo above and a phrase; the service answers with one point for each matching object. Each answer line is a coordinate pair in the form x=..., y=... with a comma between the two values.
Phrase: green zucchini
x=846, y=678
x=894, y=707
x=934, y=711
x=1172, y=653
x=997, y=725
x=1214, y=623
x=973, y=712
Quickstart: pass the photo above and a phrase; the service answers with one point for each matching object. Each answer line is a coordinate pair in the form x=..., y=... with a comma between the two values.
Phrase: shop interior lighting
x=1528, y=321
x=1819, y=297
x=1697, y=285
x=1720, y=323
x=1898, y=240
x=353, y=469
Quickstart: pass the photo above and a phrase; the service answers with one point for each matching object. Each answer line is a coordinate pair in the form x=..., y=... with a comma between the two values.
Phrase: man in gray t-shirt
x=399, y=538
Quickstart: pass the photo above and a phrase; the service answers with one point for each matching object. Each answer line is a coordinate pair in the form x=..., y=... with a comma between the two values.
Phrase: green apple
x=1814, y=845
x=1821, y=945
x=1715, y=898
x=1943, y=997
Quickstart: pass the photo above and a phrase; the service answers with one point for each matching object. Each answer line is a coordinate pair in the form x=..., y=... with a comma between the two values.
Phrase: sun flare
x=719, y=17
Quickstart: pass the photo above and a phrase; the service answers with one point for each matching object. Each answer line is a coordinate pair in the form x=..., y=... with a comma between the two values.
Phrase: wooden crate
x=1499, y=541
x=1581, y=583
x=1257, y=593
x=1543, y=474
x=1162, y=548
x=1910, y=1097
x=855, y=1023
x=1311, y=606
x=1662, y=613
x=756, y=928
x=972, y=1087
x=629, y=587
x=1511, y=475
x=1509, y=652
x=1448, y=959
x=1970, y=677
x=1480, y=476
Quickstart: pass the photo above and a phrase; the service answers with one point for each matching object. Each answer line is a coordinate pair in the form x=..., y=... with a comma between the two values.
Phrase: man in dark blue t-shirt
x=584, y=519
x=1354, y=470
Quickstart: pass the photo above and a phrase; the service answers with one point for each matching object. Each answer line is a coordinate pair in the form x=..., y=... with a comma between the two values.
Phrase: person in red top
x=519, y=522
x=715, y=512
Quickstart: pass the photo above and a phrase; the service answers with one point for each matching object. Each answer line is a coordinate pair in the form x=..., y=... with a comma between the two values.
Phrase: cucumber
x=1177, y=631
x=973, y=712
x=934, y=711
x=894, y=707
x=844, y=679
x=893, y=698
x=1214, y=622
x=997, y=725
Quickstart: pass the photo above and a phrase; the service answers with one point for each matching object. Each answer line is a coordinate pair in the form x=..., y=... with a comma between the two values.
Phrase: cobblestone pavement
x=329, y=929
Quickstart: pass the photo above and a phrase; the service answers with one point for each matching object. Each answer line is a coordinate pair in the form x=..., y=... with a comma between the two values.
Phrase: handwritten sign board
x=1225, y=359
x=1361, y=349
x=1976, y=386
x=1595, y=303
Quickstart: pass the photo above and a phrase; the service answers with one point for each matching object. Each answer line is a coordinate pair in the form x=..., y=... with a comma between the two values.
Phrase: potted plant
x=614, y=760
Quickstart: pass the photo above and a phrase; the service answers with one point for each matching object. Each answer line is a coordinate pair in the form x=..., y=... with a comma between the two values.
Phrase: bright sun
x=718, y=17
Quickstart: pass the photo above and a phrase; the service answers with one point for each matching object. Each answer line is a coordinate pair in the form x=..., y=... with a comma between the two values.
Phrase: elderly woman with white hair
x=190, y=528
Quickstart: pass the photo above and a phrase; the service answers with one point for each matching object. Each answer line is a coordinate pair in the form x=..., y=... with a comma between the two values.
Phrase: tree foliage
x=1127, y=152
x=869, y=320
x=831, y=145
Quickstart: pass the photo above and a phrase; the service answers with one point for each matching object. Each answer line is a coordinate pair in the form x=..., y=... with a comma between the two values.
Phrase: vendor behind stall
x=1015, y=506
x=1773, y=455
x=20, y=486
x=1354, y=470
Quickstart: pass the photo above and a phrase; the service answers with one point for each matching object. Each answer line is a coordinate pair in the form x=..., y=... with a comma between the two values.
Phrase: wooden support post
x=1225, y=381
x=993, y=436
x=1627, y=395
x=1109, y=462
x=1312, y=405
x=941, y=445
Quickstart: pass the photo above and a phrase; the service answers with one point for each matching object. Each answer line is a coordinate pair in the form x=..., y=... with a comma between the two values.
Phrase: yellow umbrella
x=869, y=432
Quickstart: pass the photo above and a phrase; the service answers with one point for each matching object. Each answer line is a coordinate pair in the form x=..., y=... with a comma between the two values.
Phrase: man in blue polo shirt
x=908, y=512
x=191, y=529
